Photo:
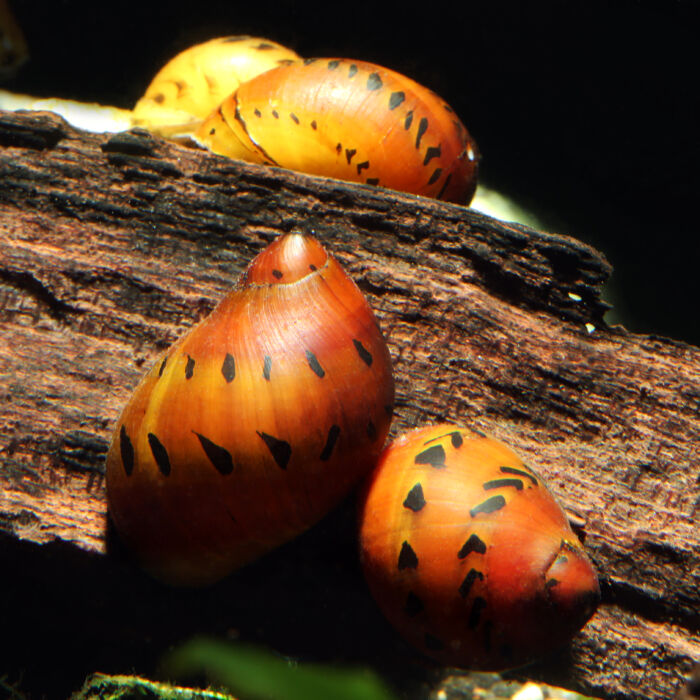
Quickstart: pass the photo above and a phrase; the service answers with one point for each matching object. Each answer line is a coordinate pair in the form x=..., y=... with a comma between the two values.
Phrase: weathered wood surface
x=110, y=248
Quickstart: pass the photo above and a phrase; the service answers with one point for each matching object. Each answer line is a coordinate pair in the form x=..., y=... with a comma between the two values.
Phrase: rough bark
x=112, y=246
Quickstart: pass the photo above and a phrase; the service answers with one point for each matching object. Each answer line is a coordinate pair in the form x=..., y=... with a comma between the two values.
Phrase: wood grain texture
x=111, y=247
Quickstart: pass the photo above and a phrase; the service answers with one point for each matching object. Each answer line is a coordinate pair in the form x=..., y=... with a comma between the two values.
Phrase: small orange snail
x=195, y=81
x=256, y=423
x=348, y=120
x=468, y=554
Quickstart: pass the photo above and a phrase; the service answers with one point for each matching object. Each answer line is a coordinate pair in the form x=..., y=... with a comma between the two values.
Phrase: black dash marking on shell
x=312, y=267
x=228, y=368
x=267, y=366
x=212, y=131
x=468, y=582
x=159, y=98
x=414, y=605
x=280, y=450
x=277, y=274
x=309, y=61
x=294, y=117
x=275, y=114
x=415, y=500
x=362, y=166
x=219, y=456
x=550, y=583
x=434, y=456
x=519, y=472
x=422, y=128
x=433, y=643
x=477, y=606
x=372, y=180
x=365, y=355
x=126, y=450
x=408, y=121
x=314, y=125
x=432, y=152
x=333, y=434
x=264, y=46
x=444, y=186
x=374, y=82
x=257, y=112
x=160, y=454
x=352, y=71
x=189, y=368
x=314, y=364
x=435, y=176
x=332, y=65
x=162, y=366
x=371, y=431
x=490, y=505
x=455, y=438
x=448, y=108
x=338, y=148
x=473, y=544
x=500, y=483
x=349, y=154
x=407, y=557
x=396, y=98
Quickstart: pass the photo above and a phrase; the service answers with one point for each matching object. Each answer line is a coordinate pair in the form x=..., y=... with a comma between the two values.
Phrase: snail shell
x=467, y=552
x=195, y=81
x=348, y=120
x=256, y=423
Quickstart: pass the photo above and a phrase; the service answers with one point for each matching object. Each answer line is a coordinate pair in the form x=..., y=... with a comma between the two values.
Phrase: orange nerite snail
x=195, y=81
x=468, y=554
x=256, y=423
x=349, y=120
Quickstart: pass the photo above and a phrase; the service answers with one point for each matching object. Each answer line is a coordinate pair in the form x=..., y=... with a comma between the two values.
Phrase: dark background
x=584, y=111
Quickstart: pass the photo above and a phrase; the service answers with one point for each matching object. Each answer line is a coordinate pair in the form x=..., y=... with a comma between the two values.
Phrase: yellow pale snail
x=196, y=80
x=256, y=423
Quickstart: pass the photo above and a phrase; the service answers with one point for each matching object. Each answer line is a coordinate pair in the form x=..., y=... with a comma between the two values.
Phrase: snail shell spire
x=256, y=423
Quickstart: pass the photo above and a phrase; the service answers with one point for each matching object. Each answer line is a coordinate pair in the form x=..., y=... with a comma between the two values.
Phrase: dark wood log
x=112, y=246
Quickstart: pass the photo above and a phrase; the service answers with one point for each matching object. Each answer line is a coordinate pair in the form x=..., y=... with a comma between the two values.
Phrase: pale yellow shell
x=198, y=79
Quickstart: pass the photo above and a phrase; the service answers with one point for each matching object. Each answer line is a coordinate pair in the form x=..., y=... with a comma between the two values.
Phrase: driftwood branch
x=112, y=246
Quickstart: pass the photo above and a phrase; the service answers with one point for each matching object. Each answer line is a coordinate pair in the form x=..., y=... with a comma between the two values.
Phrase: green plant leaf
x=252, y=673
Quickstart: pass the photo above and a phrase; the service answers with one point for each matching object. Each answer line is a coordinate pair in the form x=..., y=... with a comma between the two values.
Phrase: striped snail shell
x=256, y=423
x=348, y=120
x=467, y=552
x=195, y=81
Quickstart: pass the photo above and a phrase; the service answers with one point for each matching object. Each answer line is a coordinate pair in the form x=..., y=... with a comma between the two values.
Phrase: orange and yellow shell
x=195, y=81
x=468, y=554
x=256, y=423
x=349, y=120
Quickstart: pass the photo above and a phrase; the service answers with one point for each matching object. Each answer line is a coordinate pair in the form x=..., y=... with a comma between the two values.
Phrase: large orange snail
x=467, y=552
x=350, y=120
x=195, y=81
x=256, y=423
